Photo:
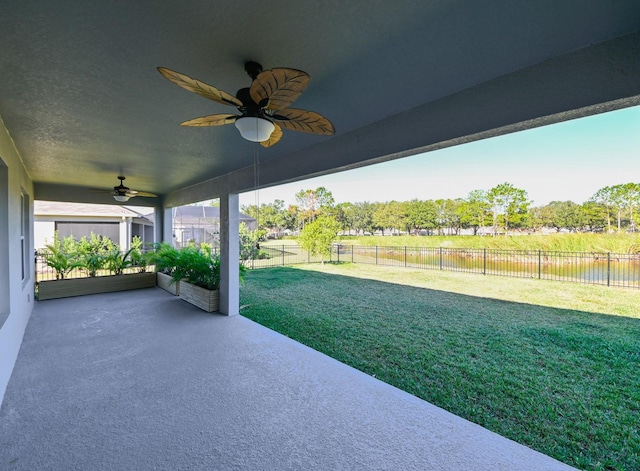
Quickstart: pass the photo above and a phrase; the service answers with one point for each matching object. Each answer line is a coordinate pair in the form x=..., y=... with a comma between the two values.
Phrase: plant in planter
x=116, y=261
x=165, y=258
x=198, y=270
x=139, y=258
x=61, y=256
x=92, y=253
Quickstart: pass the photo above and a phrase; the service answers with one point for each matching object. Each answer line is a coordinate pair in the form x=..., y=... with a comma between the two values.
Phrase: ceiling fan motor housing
x=250, y=107
x=253, y=69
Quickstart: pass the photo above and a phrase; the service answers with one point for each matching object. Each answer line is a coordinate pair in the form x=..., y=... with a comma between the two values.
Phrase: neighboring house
x=118, y=223
x=201, y=224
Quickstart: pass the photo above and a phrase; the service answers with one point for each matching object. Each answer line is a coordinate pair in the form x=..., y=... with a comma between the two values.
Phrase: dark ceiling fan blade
x=304, y=121
x=276, y=135
x=201, y=88
x=280, y=86
x=211, y=120
x=122, y=190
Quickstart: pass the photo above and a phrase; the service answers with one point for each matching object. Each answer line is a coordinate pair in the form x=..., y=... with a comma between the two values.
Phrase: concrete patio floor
x=142, y=380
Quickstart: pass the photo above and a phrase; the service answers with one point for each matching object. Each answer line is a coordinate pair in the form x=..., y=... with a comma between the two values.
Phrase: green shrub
x=61, y=255
x=164, y=257
x=116, y=261
x=200, y=266
x=92, y=253
x=139, y=257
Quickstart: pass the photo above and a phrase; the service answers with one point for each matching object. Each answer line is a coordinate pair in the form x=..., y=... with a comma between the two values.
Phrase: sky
x=565, y=161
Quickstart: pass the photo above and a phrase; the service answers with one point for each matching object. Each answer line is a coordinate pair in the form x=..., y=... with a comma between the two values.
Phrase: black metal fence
x=609, y=269
x=45, y=270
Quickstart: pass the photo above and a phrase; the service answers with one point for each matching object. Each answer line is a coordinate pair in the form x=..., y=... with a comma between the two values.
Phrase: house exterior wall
x=45, y=227
x=43, y=233
x=16, y=250
x=120, y=230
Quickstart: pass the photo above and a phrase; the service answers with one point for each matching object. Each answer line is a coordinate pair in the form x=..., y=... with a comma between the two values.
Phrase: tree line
x=502, y=209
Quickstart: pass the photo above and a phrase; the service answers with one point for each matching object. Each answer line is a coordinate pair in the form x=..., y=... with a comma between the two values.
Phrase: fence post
x=484, y=261
x=608, y=268
x=539, y=264
x=440, y=258
x=283, y=255
x=338, y=247
x=405, y=256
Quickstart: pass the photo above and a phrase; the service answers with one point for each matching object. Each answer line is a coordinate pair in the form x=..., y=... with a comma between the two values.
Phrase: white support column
x=125, y=233
x=229, y=254
x=163, y=225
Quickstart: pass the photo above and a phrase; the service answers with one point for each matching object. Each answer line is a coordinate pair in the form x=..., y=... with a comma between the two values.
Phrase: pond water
x=596, y=268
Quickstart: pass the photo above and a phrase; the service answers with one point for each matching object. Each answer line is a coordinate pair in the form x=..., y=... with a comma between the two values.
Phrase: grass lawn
x=554, y=366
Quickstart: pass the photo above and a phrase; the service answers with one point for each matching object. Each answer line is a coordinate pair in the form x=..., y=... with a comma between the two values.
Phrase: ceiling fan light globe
x=254, y=129
x=121, y=198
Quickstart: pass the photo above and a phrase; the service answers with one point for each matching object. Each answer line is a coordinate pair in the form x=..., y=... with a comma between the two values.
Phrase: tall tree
x=596, y=216
x=563, y=215
x=630, y=197
x=270, y=217
x=610, y=197
x=362, y=216
x=474, y=212
x=342, y=213
x=312, y=202
x=422, y=215
x=448, y=217
x=508, y=203
x=390, y=215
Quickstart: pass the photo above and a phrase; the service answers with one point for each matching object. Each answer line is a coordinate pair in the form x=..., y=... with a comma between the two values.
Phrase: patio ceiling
x=81, y=97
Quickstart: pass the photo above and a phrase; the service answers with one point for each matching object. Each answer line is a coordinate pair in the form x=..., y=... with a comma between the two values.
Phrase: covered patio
x=101, y=384
x=143, y=380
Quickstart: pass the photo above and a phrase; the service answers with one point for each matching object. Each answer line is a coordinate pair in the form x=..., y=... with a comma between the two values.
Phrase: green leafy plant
x=92, y=253
x=139, y=258
x=164, y=257
x=117, y=261
x=61, y=256
x=317, y=237
x=200, y=266
x=250, y=244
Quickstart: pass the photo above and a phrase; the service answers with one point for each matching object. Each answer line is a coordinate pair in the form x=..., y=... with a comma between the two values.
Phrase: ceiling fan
x=264, y=106
x=122, y=193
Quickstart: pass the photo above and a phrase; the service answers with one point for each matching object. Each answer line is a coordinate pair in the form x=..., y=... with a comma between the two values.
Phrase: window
x=24, y=235
x=4, y=244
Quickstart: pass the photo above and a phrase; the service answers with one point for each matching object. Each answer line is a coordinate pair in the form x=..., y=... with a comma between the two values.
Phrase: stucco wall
x=16, y=294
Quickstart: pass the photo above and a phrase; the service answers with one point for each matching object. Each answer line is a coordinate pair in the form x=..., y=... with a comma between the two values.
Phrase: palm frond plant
x=139, y=257
x=61, y=256
x=92, y=253
x=117, y=261
x=198, y=266
x=198, y=271
x=164, y=257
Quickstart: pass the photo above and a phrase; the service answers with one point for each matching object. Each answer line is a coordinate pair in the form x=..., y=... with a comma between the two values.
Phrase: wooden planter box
x=54, y=289
x=206, y=299
x=165, y=282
